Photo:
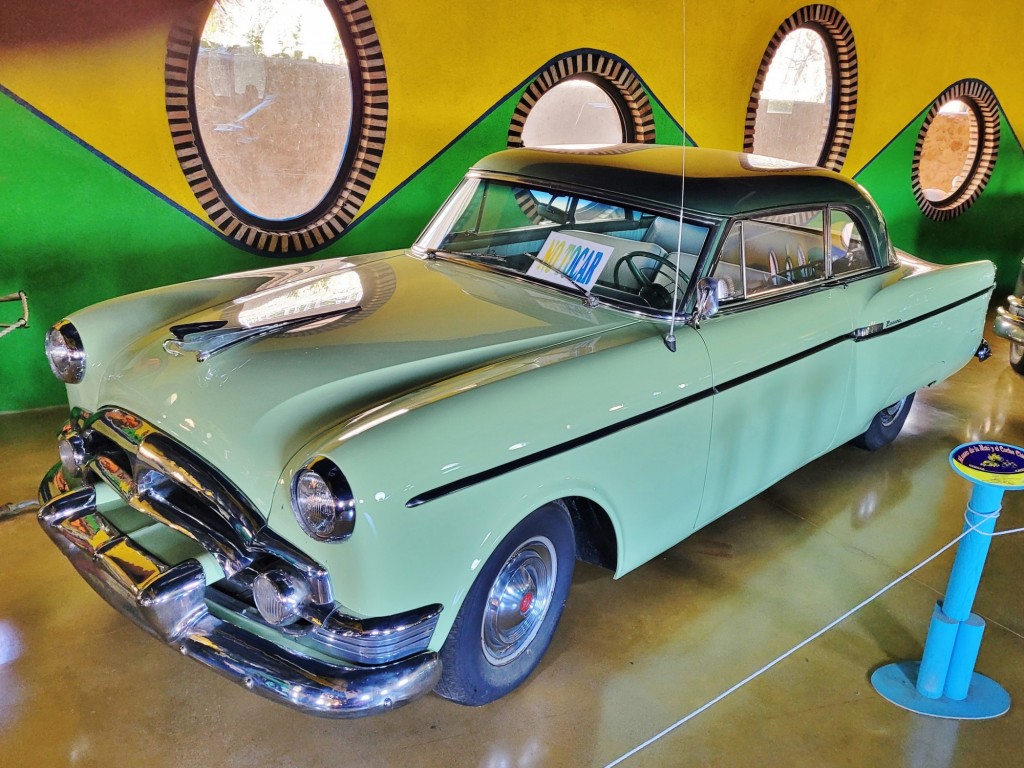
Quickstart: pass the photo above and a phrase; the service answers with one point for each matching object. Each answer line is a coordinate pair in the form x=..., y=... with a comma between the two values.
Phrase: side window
x=729, y=268
x=848, y=247
x=590, y=210
x=772, y=252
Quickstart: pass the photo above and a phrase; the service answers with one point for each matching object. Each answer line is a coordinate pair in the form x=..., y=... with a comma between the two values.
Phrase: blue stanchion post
x=944, y=683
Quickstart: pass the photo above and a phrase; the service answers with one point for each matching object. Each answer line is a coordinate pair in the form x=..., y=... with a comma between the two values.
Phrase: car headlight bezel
x=65, y=352
x=323, y=502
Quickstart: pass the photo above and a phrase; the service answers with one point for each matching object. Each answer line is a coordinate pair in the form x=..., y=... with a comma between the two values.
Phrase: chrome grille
x=164, y=480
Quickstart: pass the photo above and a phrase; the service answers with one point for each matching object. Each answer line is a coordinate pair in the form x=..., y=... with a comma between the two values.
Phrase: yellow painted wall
x=98, y=72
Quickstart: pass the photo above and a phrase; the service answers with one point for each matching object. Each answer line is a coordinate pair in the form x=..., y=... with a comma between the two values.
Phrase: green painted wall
x=76, y=230
x=992, y=228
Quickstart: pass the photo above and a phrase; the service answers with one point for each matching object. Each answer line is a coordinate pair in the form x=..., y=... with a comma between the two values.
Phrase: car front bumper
x=1009, y=322
x=168, y=601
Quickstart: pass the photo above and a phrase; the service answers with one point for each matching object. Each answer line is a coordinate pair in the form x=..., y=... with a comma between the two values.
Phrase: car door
x=781, y=354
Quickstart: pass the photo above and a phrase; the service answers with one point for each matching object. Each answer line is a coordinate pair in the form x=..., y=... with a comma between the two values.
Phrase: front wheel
x=1017, y=357
x=510, y=613
x=886, y=425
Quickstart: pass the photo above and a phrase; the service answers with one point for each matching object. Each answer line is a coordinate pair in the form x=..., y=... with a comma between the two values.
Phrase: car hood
x=249, y=407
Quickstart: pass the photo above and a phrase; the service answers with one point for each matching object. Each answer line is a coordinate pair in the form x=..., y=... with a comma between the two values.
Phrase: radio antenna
x=670, y=339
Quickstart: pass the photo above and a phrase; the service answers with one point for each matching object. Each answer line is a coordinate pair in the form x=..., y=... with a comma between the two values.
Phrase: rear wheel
x=886, y=425
x=510, y=613
x=1017, y=357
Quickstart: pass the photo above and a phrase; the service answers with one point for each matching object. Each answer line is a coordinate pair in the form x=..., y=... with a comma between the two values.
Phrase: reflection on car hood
x=327, y=341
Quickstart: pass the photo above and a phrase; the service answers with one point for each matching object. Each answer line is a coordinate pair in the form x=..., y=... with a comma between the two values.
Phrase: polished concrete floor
x=80, y=686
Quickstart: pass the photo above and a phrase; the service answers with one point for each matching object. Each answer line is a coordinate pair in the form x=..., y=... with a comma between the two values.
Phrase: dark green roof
x=717, y=182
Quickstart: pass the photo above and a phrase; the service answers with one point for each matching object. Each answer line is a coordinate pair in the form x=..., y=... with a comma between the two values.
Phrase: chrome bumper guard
x=1009, y=322
x=169, y=603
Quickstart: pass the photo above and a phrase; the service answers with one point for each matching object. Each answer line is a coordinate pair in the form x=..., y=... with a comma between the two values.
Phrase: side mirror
x=710, y=291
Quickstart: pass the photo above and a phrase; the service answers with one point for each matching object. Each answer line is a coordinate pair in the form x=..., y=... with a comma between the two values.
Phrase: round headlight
x=323, y=502
x=65, y=352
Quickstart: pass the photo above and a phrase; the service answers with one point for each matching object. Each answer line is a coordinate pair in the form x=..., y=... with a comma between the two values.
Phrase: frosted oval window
x=796, y=101
x=278, y=110
x=804, y=99
x=575, y=111
x=583, y=98
x=273, y=101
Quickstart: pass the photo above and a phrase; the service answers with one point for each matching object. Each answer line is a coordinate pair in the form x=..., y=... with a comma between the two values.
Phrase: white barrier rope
x=23, y=321
x=809, y=640
x=989, y=516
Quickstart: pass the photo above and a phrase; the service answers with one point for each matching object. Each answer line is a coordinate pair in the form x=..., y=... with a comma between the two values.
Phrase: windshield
x=614, y=252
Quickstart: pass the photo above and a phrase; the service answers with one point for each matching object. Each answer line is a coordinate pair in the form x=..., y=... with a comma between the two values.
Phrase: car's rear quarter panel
x=932, y=320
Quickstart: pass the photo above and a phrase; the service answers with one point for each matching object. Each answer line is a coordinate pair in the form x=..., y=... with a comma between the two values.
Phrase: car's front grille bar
x=166, y=482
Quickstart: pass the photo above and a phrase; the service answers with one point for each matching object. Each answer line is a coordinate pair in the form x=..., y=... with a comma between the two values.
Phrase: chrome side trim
x=432, y=494
x=376, y=640
x=868, y=330
x=169, y=603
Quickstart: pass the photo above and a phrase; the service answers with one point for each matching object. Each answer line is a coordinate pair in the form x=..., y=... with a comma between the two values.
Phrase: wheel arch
x=597, y=538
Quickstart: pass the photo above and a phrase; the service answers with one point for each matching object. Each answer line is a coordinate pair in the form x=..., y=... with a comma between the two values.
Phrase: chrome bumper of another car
x=169, y=603
x=1009, y=321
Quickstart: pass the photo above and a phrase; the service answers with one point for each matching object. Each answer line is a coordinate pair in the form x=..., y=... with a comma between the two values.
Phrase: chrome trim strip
x=868, y=330
x=895, y=325
x=433, y=494
x=168, y=602
x=376, y=640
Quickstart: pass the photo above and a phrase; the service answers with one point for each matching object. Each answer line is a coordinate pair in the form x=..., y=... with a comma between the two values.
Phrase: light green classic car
x=350, y=482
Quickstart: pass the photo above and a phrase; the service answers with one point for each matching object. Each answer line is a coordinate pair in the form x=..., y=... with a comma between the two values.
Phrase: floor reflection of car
x=1010, y=323
x=349, y=482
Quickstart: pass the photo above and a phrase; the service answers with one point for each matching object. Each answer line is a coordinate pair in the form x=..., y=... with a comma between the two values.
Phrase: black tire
x=886, y=425
x=495, y=644
x=1017, y=357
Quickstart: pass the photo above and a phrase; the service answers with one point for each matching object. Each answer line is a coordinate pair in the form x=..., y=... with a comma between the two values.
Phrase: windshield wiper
x=589, y=300
x=432, y=253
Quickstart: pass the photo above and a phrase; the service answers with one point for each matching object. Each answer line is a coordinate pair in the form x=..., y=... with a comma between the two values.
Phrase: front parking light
x=280, y=597
x=71, y=449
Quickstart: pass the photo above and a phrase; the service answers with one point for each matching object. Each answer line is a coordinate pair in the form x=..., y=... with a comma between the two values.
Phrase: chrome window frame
x=780, y=293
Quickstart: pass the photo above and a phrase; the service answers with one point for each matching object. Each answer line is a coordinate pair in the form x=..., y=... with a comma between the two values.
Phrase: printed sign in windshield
x=582, y=260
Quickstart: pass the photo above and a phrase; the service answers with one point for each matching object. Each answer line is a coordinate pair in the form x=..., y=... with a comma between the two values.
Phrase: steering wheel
x=638, y=274
x=654, y=294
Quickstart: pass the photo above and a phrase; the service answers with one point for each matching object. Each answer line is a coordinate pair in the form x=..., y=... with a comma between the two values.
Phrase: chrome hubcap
x=890, y=414
x=519, y=600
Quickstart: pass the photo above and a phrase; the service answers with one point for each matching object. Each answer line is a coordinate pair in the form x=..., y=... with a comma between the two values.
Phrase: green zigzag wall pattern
x=991, y=229
x=77, y=231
